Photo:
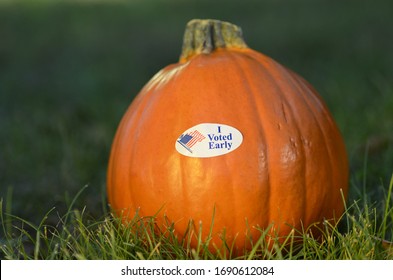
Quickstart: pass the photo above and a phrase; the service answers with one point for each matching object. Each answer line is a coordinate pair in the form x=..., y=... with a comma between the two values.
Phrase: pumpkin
x=231, y=140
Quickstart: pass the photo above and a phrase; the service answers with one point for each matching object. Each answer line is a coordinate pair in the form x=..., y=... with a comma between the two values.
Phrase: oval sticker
x=209, y=140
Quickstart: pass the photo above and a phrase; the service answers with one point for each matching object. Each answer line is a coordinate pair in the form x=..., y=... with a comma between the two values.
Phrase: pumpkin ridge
x=241, y=66
x=274, y=70
x=300, y=82
x=271, y=70
x=116, y=166
x=303, y=90
x=307, y=156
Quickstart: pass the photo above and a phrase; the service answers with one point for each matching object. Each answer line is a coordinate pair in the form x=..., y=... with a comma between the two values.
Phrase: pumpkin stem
x=204, y=36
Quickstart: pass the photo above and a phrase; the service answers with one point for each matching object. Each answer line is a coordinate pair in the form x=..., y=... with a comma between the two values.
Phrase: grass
x=77, y=236
x=68, y=71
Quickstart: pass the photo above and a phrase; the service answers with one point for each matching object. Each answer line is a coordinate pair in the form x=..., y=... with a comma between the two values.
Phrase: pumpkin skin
x=290, y=171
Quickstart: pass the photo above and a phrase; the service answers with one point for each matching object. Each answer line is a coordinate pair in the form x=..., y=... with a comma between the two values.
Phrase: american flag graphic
x=188, y=140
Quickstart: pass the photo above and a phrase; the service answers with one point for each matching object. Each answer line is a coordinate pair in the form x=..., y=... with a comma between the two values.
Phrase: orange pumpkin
x=228, y=131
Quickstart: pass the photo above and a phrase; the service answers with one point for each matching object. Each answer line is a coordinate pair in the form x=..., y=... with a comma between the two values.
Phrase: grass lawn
x=69, y=70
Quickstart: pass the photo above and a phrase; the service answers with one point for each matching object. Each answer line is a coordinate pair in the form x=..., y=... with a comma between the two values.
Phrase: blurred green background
x=69, y=70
